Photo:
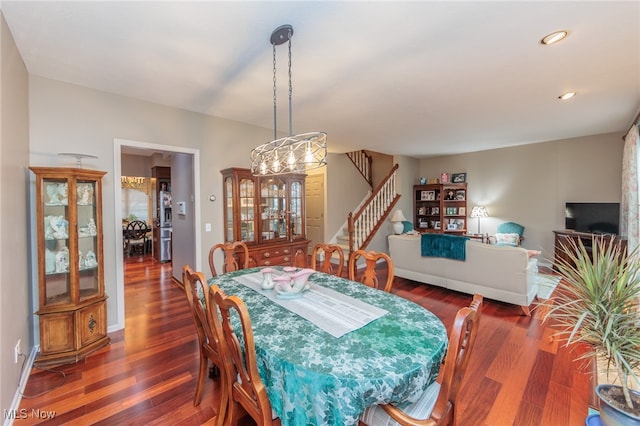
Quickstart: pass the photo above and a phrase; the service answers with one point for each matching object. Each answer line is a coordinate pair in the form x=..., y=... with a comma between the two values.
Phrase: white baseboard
x=13, y=412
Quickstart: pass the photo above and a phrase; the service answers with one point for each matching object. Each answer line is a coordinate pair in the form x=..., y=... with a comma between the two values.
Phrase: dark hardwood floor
x=518, y=375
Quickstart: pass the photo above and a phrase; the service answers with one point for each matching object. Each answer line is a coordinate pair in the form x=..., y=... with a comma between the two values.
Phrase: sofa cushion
x=510, y=239
x=407, y=226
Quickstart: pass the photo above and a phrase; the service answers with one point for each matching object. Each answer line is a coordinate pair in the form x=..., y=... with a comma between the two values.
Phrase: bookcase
x=440, y=208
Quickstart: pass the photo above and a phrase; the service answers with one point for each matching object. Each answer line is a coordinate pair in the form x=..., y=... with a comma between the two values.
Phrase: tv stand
x=562, y=238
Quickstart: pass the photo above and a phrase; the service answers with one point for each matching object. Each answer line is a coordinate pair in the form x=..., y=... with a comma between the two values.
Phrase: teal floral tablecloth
x=313, y=378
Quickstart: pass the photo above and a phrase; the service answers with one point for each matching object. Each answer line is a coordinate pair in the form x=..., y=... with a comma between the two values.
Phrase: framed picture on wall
x=458, y=177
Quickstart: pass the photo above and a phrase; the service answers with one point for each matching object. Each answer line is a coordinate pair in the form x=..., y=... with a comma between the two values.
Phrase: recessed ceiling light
x=567, y=96
x=554, y=37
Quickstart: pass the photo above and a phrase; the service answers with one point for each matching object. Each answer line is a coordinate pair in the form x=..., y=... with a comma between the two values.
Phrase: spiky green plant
x=596, y=303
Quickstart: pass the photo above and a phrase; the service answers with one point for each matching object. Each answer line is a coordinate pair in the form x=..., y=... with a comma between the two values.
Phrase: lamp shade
x=398, y=216
x=479, y=211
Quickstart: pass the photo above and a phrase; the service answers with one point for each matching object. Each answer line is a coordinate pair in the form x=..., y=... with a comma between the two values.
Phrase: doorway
x=314, y=200
x=186, y=235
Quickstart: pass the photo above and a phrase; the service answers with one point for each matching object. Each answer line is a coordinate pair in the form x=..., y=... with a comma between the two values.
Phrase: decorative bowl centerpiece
x=292, y=283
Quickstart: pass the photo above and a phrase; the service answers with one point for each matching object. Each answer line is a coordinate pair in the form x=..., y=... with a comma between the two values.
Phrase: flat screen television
x=596, y=218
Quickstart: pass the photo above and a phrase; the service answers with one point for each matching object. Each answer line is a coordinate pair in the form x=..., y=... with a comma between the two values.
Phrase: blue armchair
x=505, y=234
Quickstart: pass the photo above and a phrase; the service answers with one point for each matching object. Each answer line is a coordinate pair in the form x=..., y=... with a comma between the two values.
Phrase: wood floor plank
x=514, y=377
x=517, y=375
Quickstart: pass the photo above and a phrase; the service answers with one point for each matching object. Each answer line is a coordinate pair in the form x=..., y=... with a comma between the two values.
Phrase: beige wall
x=530, y=184
x=16, y=317
x=346, y=188
x=70, y=118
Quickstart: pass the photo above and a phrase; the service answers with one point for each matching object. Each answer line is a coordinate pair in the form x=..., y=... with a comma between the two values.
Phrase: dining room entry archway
x=186, y=235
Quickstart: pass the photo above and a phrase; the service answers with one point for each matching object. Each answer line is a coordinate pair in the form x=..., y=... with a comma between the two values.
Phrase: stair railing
x=363, y=162
x=363, y=225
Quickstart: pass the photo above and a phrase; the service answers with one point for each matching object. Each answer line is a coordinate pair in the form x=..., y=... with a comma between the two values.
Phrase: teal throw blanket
x=443, y=245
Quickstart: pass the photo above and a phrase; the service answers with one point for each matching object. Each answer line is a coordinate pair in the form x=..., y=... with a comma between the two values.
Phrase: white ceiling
x=414, y=78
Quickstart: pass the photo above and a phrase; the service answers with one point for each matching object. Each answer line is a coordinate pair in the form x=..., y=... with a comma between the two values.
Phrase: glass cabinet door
x=296, y=209
x=247, y=211
x=88, y=264
x=228, y=205
x=273, y=195
x=57, y=279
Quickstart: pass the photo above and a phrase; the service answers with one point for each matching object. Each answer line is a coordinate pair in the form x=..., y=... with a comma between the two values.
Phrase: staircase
x=363, y=162
x=365, y=222
x=362, y=225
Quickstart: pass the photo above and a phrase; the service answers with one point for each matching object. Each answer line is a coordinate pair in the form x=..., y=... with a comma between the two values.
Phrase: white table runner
x=331, y=311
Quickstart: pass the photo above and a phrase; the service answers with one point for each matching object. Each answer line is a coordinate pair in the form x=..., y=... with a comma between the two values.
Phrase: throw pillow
x=408, y=226
x=507, y=239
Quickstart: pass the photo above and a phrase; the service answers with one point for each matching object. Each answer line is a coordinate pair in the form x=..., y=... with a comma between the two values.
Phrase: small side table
x=484, y=238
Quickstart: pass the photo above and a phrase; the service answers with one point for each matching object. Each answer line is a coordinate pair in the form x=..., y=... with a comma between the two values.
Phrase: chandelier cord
x=290, y=89
x=275, y=121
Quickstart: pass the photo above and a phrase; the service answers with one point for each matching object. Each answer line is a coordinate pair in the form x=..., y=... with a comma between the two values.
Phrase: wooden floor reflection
x=517, y=375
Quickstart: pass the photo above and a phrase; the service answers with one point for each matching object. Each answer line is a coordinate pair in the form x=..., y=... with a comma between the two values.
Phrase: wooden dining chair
x=327, y=266
x=195, y=286
x=245, y=387
x=229, y=253
x=135, y=241
x=369, y=276
x=436, y=406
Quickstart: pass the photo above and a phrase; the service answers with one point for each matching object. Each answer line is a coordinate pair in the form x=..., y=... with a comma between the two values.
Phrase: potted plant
x=596, y=304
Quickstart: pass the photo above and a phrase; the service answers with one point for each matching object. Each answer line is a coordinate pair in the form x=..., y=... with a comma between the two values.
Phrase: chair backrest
x=246, y=386
x=510, y=228
x=369, y=276
x=461, y=341
x=327, y=266
x=209, y=334
x=137, y=230
x=195, y=287
x=230, y=262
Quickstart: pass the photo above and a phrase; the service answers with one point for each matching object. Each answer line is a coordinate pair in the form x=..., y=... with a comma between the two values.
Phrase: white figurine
x=62, y=260
x=92, y=228
x=90, y=259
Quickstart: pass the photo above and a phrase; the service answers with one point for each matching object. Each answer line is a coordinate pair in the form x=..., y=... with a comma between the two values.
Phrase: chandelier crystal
x=294, y=153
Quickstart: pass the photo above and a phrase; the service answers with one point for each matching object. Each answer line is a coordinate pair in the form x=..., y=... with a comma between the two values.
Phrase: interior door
x=314, y=200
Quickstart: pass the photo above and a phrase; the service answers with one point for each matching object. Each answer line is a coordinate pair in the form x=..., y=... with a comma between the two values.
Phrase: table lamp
x=479, y=212
x=397, y=220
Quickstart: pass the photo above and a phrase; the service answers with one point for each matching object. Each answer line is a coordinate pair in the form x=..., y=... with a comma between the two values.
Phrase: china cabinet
x=440, y=208
x=268, y=214
x=72, y=302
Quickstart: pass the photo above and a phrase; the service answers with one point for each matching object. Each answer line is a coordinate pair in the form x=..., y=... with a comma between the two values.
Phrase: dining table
x=342, y=346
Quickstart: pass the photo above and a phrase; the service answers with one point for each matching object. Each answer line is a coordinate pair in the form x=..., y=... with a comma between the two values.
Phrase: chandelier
x=293, y=153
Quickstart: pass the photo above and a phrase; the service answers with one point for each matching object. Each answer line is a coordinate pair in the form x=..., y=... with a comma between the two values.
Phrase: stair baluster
x=367, y=220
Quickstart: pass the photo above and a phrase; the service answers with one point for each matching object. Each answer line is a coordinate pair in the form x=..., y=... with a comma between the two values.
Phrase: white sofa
x=496, y=272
